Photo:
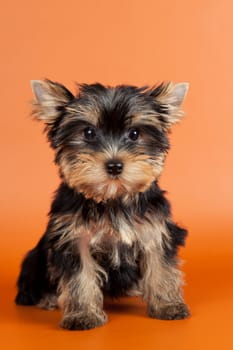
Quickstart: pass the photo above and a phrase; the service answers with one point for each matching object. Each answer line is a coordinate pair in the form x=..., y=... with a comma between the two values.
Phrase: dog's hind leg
x=32, y=282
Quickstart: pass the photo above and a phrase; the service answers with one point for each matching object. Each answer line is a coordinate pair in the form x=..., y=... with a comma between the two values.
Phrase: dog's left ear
x=168, y=98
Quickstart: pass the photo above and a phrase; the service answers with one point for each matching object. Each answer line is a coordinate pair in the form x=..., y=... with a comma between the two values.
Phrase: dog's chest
x=121, y=231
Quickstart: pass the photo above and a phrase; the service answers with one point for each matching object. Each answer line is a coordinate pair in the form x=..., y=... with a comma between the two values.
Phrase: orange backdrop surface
x=113, y=42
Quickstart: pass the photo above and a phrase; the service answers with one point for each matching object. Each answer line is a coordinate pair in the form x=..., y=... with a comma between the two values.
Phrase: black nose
x=114, y=167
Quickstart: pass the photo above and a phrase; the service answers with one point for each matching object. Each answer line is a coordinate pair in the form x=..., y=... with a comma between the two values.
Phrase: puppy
x=110, y=229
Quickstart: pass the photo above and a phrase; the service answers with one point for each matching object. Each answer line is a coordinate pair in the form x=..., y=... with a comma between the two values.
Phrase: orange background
x=136, y=42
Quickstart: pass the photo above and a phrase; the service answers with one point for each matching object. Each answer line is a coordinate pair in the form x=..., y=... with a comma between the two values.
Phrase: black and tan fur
x=110, y=229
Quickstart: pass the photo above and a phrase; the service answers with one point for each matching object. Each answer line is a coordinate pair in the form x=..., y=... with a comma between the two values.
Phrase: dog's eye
x=133, y=134
x=89, y=133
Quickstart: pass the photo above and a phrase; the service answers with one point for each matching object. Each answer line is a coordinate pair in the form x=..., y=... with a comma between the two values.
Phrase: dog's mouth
x=112, y=188
x=114, y=178
x=109, y=179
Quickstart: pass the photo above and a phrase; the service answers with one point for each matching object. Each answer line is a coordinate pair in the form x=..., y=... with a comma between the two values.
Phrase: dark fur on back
x=110, y=229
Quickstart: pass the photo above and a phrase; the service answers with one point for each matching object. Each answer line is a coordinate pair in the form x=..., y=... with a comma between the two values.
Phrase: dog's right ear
x=50, y=99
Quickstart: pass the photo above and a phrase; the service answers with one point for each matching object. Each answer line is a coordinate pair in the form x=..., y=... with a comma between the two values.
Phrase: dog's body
x=110, y=228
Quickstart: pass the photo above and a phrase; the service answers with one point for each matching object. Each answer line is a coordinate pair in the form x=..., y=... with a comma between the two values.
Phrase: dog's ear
x=50, y=99
x=168, y=99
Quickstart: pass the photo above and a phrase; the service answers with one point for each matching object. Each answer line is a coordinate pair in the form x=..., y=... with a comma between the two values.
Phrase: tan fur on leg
x=81, y=298
x=161, y=283
x=49, y=302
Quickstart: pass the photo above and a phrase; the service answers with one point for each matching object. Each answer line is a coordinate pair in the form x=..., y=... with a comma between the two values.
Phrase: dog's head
x=109, y=141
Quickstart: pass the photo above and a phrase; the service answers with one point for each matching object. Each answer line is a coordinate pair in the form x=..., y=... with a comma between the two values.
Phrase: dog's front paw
x=83, y=321
x=169, y=311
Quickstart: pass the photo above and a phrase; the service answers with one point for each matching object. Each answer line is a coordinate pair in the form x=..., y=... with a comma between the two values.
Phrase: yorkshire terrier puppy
x=110, y=229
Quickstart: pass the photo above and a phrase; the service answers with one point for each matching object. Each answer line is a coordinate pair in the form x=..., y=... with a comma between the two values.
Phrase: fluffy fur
x=110, y=229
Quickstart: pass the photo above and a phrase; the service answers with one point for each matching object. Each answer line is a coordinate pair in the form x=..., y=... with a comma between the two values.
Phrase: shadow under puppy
x=110, y=228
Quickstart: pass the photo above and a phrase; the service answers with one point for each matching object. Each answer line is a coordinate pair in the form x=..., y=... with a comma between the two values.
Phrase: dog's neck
x=137, y=204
